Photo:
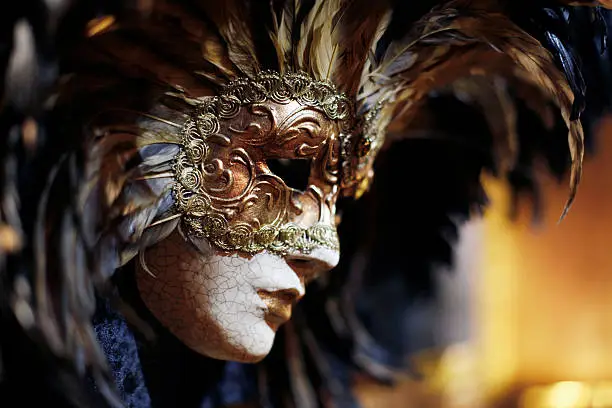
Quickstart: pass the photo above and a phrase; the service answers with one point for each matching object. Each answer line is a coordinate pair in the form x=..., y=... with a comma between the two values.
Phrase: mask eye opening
x=294, y=172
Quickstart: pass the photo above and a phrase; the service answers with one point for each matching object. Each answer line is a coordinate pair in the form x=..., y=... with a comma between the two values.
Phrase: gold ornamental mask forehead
x=224, y=187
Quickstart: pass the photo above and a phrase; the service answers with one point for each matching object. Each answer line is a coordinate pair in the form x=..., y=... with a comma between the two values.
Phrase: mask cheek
x=189, y=297
x=264, y=204
x=309, y=206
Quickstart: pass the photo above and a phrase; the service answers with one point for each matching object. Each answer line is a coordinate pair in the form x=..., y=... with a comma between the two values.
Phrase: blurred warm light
x=10, y=241
x=568, y=394
x=544, y=311
x=29, y=132
x=99, y=25
x=497, y=294
x=542, y=306
x=452, y=374
x=602, y=395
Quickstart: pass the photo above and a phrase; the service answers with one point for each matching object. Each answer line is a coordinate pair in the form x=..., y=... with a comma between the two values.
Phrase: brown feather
x=283, y=36
x=317, y=50
x=593, y=3
x=135, y=60
x=192, y=39
x=490, y=95
x=359, y=27
x=455, y=42
x=232, y=19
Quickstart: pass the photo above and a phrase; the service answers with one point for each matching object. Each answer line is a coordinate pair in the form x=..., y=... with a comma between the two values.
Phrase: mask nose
x=309, y=266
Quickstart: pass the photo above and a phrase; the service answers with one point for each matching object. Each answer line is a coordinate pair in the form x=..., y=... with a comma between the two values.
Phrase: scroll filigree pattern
x=224, y=189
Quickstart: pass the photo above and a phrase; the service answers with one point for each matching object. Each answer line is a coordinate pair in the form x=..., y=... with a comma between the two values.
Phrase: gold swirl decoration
x=271, y=86
x=225, y=191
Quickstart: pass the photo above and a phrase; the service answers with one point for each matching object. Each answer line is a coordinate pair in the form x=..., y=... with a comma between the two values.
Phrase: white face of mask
x=225, y=306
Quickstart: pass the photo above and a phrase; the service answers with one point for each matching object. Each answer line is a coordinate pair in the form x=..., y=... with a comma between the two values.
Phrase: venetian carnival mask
x=255, y=238
x=189, y=155
x=223, y=176
x=225, y=185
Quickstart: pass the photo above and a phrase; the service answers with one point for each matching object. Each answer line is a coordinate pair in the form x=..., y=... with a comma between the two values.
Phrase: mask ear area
x=294, y=172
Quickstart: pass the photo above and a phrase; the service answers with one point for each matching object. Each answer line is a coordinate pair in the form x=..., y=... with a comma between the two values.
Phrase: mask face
x=256, y=182
x=225, y=306
x=231, y=196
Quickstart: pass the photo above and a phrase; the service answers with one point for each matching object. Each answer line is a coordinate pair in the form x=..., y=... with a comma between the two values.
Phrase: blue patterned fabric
x=119, y=346
x=236, y=384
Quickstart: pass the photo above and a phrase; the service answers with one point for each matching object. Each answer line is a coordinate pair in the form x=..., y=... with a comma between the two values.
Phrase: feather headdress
x=127, y=84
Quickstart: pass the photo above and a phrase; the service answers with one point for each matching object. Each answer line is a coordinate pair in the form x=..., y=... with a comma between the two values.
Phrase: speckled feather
x=61, y=296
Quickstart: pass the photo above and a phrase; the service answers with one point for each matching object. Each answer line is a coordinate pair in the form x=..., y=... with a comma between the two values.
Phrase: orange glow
x=545, y=307
x=496, y=297
x=99, y=25
x=568, y=394
x=542, y=304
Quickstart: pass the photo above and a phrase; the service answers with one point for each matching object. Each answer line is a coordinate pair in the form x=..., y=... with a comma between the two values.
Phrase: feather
x=551, y=26
x=317, y=52
x=593, y=3
x=212, y=48
x=158, y=232
x=232, y=19
x=358, y=29
x=78, y=305
x=304, y=394
x=145, y=73
x=492, y=97
x=135, y=60
x=285, y=34
x=11, y=229
x=48, y=323
x=370, y=58
x=457, y=41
